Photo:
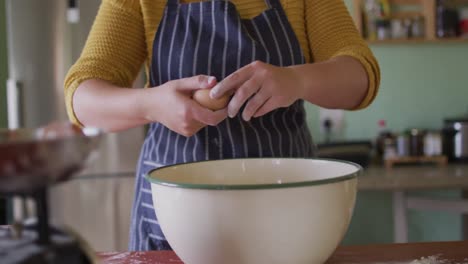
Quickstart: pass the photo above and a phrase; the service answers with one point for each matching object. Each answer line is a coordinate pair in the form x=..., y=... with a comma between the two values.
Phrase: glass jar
x=383, y=30
x=398, y=29
x=417, y=27
x=433, y=143
x=403, y=147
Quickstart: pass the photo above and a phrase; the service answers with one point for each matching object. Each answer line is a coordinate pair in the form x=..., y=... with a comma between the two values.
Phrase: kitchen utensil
x=250, y=211
x=31, y=160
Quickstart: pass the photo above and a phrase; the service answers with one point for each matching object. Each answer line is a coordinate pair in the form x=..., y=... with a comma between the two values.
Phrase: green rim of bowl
x=253, y=186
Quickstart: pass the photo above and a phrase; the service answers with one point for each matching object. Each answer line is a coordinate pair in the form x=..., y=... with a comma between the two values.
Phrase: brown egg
x=202, y=97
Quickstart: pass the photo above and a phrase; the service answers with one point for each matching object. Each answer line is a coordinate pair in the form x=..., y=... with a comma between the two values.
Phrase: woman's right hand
x=172, y=105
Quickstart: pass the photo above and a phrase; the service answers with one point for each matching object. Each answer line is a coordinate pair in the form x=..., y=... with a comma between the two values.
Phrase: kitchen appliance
x=30, y=163
x=44, y=38
x=455, y=138
x=357, y=151
x=259, y=210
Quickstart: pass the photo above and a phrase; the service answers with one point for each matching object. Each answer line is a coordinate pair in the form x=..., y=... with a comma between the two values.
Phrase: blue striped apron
x=210, y=38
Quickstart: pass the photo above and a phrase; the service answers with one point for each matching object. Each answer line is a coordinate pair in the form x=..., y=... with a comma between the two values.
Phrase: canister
x=403, y=147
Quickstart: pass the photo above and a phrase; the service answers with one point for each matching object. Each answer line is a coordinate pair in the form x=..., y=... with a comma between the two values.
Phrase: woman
x=270, y=55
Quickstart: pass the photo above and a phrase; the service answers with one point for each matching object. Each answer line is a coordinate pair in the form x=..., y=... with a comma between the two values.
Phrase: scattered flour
x=430, y=260
x=436, y=259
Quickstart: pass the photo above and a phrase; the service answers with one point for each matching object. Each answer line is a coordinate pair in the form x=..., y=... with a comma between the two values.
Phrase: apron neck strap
x=173, y=3
x=270, y=3
x=273, y=3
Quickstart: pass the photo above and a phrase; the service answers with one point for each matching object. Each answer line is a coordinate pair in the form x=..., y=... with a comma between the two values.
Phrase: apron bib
x=210, y=38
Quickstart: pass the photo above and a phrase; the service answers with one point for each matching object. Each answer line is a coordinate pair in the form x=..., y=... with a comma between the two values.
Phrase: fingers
x=195, y=117
x=255, y=103
x=266, y=108
x=206, y=116
x=192, y=127
x=196, y=82
x=230, y=84
x=243, y=93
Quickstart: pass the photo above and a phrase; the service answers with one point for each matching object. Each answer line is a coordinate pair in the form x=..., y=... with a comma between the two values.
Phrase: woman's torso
x=281, y=133
x=153, y=10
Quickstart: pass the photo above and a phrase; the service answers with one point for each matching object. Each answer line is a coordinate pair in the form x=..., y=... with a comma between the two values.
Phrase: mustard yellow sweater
x=121, y=39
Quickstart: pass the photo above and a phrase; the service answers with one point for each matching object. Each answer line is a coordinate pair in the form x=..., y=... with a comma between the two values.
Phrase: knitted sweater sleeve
x=331, y=33
x=115, y=49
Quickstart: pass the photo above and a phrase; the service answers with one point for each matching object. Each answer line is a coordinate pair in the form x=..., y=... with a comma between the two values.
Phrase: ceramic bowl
x=255, y=211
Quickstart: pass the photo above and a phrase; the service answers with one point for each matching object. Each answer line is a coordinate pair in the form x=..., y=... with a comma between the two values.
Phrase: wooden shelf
x=439, y=160
x=417, y=41
x=427, y=9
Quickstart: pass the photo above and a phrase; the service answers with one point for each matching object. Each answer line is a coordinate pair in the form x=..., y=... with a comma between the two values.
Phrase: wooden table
x=450, y=252
x=403, y=179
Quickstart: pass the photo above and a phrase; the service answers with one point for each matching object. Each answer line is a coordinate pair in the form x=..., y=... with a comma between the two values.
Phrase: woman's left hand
x=263, y=86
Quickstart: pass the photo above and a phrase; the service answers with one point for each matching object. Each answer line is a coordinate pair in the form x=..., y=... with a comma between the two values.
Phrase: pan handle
x=14, y=104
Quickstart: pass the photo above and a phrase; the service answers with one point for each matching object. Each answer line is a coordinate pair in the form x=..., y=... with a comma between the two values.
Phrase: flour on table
x=430, y=260
x=436, y=259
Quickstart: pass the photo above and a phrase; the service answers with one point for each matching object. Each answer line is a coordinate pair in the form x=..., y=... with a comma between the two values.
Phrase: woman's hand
x=263, y=86
x=172, y=105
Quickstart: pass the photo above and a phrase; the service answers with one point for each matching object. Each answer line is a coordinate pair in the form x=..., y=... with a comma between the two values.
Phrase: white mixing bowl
x=255, y=211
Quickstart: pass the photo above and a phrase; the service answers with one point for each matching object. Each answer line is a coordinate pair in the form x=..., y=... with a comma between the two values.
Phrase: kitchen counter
x=424, y=177
x=445, y=252
x=402, y=179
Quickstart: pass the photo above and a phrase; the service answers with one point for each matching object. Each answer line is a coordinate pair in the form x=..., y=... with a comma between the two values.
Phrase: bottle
x=463, y=22
x=447, y=20
x=417, y=27
x=383, y=29
x=390, y=148
x=382, y=134
x=403, y=148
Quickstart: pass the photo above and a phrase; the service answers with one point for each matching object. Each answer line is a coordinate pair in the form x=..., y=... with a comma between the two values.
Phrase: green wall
x=421, y=85
x=3, y=66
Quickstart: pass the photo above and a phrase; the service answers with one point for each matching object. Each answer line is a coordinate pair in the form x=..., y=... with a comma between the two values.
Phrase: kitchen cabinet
x=426, y=10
